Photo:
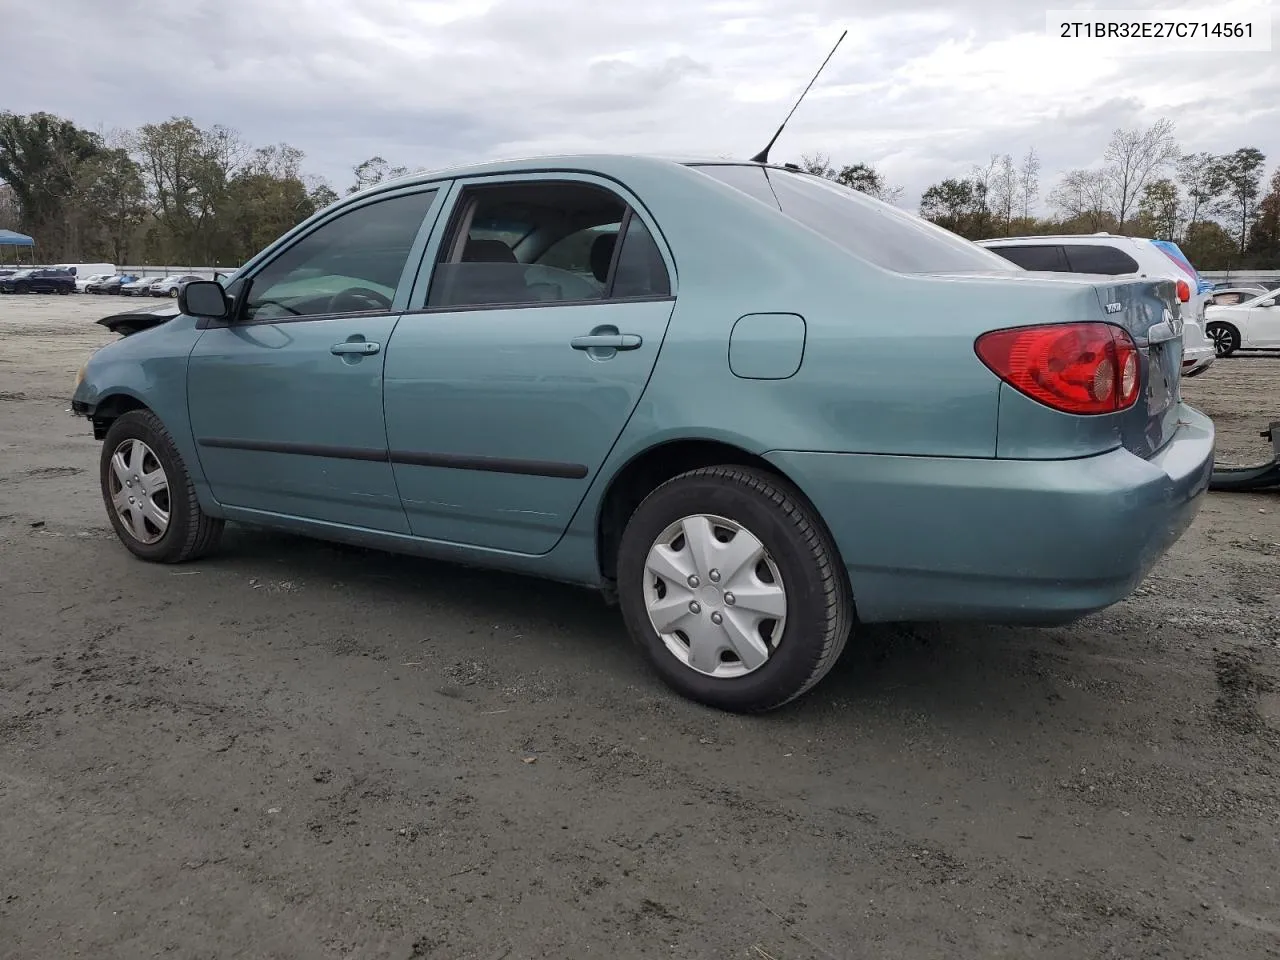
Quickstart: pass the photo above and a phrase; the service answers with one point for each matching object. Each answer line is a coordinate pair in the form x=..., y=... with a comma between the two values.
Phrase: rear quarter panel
x=888, y=364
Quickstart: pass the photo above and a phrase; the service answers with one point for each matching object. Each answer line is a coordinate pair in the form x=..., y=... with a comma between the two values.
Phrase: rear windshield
x=868, y=228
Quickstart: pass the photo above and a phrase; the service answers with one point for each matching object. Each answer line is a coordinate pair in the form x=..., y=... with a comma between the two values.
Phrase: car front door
x=1263, y=326
x=285, y=398
x=533, y=332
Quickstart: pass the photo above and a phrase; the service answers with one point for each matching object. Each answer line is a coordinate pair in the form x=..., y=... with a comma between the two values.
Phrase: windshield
x=868, y=228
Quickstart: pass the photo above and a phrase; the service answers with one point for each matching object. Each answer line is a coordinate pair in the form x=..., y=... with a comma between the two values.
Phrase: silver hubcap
x=715, y=596
x=139, y=491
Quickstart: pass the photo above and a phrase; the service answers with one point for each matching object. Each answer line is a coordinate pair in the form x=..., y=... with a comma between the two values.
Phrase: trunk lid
x=1149, y=311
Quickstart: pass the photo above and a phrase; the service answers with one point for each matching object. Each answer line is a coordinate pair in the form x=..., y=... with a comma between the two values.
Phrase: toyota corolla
x=756, y=407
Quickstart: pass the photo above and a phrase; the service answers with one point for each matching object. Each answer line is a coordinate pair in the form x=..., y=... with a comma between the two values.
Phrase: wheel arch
x=111, y=408
x=654, y=466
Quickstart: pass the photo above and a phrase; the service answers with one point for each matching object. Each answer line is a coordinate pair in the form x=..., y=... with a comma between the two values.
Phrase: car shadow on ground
x=970, y=674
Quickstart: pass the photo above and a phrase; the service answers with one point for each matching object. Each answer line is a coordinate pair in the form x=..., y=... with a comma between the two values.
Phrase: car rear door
x=531, y=336
x=286, y=399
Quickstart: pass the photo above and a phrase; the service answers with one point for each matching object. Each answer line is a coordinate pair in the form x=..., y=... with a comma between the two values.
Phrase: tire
x=797, y=551
x=63, y=291
x=1225, y=337
x=189, y=532
x=21, y=288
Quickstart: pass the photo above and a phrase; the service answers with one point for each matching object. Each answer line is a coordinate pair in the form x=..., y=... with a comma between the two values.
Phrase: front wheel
x=149, y=495
x=21, y=288
x=1225, y=337
x=173, y=293
x=731, y=585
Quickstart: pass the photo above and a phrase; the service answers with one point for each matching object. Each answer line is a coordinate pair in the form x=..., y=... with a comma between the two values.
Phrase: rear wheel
x=149, y=495
x=732, y=587
x=1225, y=337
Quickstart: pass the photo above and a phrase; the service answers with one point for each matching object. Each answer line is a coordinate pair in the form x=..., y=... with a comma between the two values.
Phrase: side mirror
x=1268, y=303
x=204, y=298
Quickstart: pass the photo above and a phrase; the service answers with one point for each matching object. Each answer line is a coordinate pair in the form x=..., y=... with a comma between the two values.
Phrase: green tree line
x=169, y=192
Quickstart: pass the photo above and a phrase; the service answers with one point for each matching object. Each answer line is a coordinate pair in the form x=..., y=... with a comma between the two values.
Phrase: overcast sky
x=921, y=89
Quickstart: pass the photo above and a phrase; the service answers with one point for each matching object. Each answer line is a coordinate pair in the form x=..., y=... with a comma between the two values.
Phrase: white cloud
x=923, y=90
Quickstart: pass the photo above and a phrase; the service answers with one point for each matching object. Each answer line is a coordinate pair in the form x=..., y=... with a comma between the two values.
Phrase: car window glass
x=351, y=264
x=575, y=252
x=878, y=232
x=527, y=243
x=750, y=180
x=640, y=271
x=1099, y=258
x=1042, y=256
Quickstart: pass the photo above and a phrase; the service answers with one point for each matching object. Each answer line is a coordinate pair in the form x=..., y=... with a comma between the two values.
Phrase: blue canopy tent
x=19, y=240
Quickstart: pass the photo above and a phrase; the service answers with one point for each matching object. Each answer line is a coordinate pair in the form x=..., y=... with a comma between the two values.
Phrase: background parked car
x=83, y=283
x=138, y=288
x=1251, y=325
x=1261, y=286
x=111, y=285
x=169, y=286
x=39, y=281
x=1230, y=296
x=1117, y=256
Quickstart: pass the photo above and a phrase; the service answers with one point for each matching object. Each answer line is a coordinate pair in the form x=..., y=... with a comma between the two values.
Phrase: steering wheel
x=356, y=299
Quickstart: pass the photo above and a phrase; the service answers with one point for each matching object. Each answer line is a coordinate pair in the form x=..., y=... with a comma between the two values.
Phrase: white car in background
x=1117, y=256
x=1253, y=324
x=82, y=282
x=169, y=286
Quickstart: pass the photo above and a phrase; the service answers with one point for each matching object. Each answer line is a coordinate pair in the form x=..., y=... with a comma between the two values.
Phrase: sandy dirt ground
x=294, y=750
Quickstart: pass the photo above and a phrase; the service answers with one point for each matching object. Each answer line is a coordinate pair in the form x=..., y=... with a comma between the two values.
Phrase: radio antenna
x=763, y=155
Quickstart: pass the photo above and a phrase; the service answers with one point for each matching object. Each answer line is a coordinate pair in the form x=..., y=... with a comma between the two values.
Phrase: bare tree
x=1201, y=178
x=1004, y=192
x=1029, y=182
x=983, y=180
x=1133, y=157
x=1082, y=195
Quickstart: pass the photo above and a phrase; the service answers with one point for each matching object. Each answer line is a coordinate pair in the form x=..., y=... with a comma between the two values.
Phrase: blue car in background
x=755, y=407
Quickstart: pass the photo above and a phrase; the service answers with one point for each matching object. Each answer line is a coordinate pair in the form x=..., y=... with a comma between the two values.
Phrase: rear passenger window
x=1040, y=256
x=529, y=243
x=1098, y=258
x=640, y=271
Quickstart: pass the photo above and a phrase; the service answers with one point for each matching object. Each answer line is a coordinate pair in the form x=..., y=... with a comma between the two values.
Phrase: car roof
x=1108, y=239
x=607, y=164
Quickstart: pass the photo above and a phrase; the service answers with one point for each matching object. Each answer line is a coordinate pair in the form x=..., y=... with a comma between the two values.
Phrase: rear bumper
x=1011, y=541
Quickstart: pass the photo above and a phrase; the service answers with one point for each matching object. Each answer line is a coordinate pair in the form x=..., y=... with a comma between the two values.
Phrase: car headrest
x=602, y=255
x=487, y=251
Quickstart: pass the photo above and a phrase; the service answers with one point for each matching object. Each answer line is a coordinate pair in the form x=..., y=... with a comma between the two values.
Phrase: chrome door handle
x=362, y=348
x=607, y=341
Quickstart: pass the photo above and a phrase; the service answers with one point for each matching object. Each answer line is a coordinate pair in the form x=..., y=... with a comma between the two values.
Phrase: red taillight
x=1072, y=367
x=1184, y=291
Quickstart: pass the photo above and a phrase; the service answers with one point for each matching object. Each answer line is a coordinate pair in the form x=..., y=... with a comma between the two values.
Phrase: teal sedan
x=753, y=407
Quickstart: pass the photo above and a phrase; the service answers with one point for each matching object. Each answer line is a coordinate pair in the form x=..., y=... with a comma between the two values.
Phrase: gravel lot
x=303, y=751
